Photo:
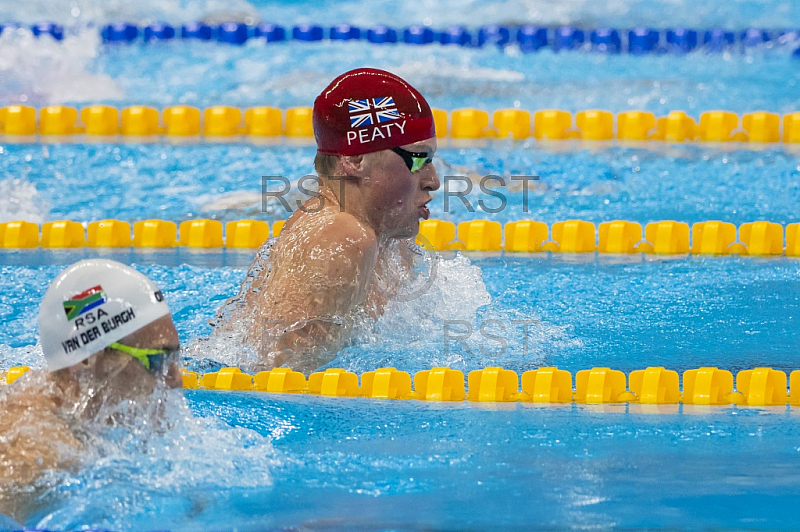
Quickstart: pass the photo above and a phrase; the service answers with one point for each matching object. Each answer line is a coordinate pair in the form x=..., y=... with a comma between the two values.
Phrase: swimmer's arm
x=33, y=439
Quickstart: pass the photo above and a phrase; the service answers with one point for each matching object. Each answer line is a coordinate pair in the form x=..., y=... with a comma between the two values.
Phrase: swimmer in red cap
x=375, y=142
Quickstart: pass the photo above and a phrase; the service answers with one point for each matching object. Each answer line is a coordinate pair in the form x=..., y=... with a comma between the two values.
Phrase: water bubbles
x=20, y=200
x=45, y=71
x=157, y=451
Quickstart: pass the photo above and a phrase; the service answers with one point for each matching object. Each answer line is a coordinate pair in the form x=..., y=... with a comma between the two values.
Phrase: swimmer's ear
x=354, y=165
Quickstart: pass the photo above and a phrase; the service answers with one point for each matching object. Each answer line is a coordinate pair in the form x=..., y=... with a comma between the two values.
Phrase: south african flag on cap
x=84, y=302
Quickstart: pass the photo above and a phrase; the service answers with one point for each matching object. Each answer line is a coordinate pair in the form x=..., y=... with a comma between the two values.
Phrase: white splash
x=40, y=71
x=155, y=450
x=455, y=291
x=19, y=200
x=29, y=355
x=139, y=12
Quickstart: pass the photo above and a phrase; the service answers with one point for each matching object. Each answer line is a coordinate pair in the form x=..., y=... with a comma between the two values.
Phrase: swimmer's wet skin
x=94, y=364
x=376, y=140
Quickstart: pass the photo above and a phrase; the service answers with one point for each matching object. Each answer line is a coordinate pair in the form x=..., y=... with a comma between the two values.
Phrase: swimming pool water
x=258, y=461
x=291, y=74
x=440, y=13
x=623, y=312
x=598, y=183
x=336, y=464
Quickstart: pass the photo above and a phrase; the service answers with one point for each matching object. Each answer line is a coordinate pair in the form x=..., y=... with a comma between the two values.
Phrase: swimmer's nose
x=430, y=180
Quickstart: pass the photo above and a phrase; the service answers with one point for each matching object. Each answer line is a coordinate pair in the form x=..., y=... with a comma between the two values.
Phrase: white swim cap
x=91, y=305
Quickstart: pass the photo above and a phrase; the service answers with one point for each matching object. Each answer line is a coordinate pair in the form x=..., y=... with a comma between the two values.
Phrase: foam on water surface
x=155, y=464
x=19, y=200
x=81, y=12
x=42, y=71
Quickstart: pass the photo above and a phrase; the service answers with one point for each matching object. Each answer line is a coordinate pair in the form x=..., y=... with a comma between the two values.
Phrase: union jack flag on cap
x=372, y=111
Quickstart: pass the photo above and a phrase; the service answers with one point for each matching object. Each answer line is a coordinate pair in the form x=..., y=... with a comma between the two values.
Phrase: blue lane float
x=345, y=32
x=271, y=32
x=754, y=37
x=718, y=40
x=681, y=40
x=48, y=28
x=531, y=38
x=642, y=41
x=418, y=35
x=159, y=32
x=382, y=35
x=606, y=40
x=568, y=38
x=307, y=33
x=233, y=33
x=455, y=35
x=197, y=30
x=497, y=35
x=120, y=32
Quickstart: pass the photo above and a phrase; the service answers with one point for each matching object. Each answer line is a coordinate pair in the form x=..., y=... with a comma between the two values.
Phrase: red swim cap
x=367, y=110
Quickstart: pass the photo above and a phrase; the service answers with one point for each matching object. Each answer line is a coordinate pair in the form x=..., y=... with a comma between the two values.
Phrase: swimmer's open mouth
x=424, y=212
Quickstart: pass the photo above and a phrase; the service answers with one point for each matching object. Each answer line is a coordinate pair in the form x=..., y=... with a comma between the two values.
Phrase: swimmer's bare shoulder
x=324, y=256
x=320, y=269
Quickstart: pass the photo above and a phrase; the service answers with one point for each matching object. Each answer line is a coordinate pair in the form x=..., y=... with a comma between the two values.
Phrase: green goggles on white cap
x=152, y=359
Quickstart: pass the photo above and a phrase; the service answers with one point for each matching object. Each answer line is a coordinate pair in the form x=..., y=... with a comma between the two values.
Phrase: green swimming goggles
x=151, y=359
x=415, y=160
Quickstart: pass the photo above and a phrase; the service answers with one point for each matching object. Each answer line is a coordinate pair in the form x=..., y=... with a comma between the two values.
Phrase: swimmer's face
x=111, y=377
x=397, y=196
x=126, y=375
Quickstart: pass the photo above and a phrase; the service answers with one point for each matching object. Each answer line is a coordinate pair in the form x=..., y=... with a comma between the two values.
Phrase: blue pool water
x=258, y=461
x=575, y=181
x=199, y=74
x=623, y=312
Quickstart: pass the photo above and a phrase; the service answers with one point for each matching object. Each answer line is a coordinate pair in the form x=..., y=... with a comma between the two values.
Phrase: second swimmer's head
x=105, y=320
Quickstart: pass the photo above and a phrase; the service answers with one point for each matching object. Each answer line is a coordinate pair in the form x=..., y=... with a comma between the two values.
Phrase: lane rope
x=706, y=386
x=136, y=122
x=529, y=38
x=666, y=237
